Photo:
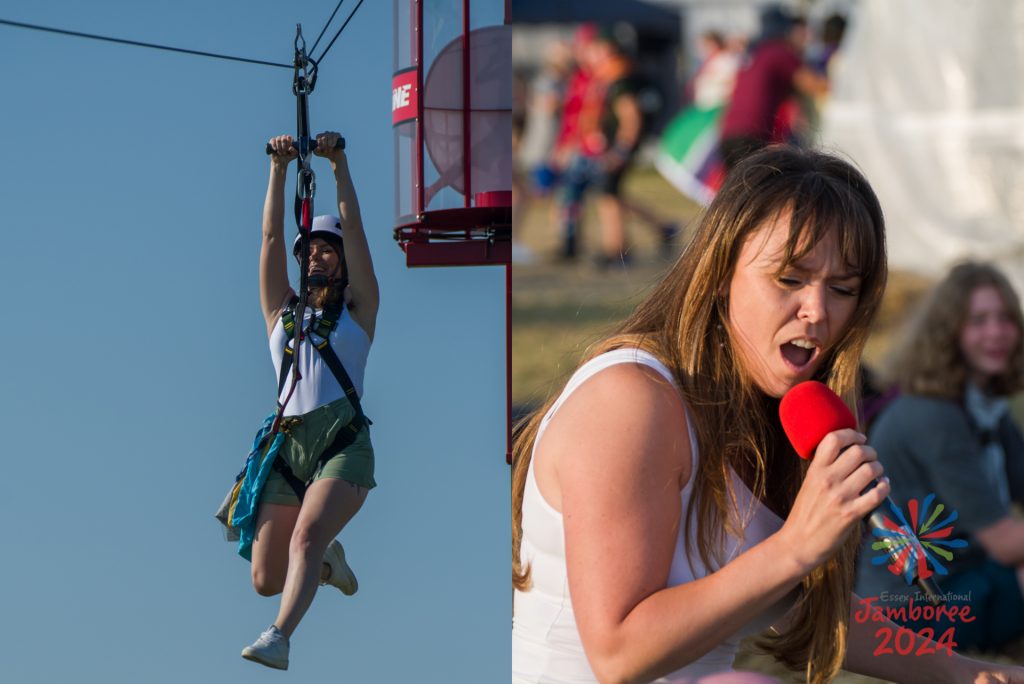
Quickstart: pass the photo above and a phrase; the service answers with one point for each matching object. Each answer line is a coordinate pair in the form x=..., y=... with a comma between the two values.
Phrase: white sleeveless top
x=546, y=644
x=318, y=385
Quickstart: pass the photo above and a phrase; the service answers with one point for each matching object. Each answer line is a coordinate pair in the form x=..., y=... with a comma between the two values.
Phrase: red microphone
x=810, y=411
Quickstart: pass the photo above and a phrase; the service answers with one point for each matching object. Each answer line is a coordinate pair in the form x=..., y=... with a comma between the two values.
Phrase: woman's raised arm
x=274, y=288
x=365, y=294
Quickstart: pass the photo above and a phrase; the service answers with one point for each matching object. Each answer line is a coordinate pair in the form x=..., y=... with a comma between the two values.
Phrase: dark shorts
x=609, y=182
x=586, y=173
x=304, y=443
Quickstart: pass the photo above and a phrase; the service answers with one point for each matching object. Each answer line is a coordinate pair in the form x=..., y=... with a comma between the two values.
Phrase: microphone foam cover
x=810, y=411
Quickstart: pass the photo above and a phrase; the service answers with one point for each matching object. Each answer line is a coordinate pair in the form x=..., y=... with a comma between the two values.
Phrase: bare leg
x=613, y=233
x=328, y=506
x=274, y=526
x=570, y=203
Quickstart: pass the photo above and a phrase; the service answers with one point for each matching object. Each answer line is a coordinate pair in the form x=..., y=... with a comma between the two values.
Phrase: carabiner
x=306, y=185
x=305, y=76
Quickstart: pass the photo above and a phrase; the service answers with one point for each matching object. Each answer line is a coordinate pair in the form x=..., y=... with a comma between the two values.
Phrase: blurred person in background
x=600, y=135
x=535, y=129
x=542, y=116
x=770, y=74
x=950, y=434
x=821, y=55
x=804, y=109
x=567, y=142
x=688, y=154
x=715, y=78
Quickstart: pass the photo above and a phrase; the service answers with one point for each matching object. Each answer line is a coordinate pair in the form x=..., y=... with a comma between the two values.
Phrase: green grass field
x=558, y=309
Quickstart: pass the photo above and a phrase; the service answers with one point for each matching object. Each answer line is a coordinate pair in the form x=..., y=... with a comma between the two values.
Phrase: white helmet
x=327, y=228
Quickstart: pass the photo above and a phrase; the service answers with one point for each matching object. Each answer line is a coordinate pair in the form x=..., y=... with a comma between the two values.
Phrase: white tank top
x=546, y=644
x=318, y=385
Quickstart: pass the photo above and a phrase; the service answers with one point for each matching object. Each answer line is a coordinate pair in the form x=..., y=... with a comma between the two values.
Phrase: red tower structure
x=452, y=115
x=451, y=109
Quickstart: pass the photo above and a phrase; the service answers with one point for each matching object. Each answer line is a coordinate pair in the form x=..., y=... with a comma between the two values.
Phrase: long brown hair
x=929, y=360
x=684, y=321
x=331, y=295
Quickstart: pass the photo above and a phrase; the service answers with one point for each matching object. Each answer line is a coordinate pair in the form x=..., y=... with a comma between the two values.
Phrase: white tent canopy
x=928, y=100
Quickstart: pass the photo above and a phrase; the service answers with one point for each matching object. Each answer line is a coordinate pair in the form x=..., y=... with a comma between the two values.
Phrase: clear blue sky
x=136, y=367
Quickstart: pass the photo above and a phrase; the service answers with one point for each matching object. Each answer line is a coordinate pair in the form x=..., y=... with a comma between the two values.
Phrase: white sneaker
x=271, y=649
x=341, y=575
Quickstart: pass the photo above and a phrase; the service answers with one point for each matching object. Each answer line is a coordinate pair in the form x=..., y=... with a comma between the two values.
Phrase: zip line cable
x=123, y=41
x=201, y=53
x=324, y=53
x=324, y=29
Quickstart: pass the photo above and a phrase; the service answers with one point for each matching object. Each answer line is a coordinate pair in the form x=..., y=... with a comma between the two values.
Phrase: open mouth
x=799, y=353
x=997, y=357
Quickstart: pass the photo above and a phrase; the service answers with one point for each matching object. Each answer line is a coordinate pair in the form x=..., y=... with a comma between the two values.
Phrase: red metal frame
x=471, y=235
x=478, y=236
x=418, y=150
x=467, y=102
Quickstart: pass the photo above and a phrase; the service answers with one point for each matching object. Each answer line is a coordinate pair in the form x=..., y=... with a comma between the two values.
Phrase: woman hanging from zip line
x=326, y=441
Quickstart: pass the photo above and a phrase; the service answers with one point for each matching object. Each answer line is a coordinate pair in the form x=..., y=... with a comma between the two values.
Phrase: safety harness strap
x=322, y=326
x=288, y=322
x=334, y=363
x=342, y=440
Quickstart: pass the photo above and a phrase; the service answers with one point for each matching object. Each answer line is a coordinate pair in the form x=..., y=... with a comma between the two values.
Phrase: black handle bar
x=340, y=145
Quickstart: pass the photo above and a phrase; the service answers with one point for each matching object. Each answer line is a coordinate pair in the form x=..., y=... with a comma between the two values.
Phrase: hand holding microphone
x=842, y=485
x=832, y=498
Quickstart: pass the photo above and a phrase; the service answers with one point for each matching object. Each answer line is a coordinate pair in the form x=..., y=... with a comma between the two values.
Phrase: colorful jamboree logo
x=911, y=545
x=915, y=544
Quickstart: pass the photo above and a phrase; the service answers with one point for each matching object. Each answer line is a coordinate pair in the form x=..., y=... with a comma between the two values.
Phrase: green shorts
x=306, y=440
